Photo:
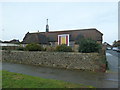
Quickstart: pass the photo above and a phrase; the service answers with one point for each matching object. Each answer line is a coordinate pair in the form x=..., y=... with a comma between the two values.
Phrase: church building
x=68, y=37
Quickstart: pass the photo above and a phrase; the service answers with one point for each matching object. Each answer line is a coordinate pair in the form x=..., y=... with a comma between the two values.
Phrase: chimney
x=47, y=26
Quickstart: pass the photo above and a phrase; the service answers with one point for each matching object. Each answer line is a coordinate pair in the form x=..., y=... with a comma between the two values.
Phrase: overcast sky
x=19, y=18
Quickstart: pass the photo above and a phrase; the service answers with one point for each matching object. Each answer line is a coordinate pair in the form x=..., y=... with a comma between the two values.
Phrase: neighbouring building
x=116, y=43
x=14, y=41
x=107, y=45
x=9, y=45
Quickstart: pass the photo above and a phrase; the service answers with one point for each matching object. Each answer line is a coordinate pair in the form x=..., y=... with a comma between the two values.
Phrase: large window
x=63, y=39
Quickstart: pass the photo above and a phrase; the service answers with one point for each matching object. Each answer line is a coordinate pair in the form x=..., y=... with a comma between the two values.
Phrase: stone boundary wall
x=67, y=60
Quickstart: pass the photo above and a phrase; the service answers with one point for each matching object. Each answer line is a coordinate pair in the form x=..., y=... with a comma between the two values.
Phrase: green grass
x=0, y=79
x=16, y=80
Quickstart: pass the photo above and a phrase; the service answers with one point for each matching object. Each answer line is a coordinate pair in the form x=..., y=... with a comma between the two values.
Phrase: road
x=112, y=58
x=114, y=53
x=96, y=79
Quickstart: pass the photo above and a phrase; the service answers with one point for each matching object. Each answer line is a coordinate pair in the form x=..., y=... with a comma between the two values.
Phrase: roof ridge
x=68, y=30
x=76, y=29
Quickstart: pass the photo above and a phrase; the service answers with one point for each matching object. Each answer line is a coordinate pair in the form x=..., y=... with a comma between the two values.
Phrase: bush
x=34, y=47
x=63, y=48
x=88, y=46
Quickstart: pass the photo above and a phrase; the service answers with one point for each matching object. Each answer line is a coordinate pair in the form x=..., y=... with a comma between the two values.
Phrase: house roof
x=45, y=37
x=107, y=44
x=72, y=30
x=14, y=41
x=35, y=38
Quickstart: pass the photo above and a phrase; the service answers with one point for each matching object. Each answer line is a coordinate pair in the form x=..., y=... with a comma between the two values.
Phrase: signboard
x=63, y=39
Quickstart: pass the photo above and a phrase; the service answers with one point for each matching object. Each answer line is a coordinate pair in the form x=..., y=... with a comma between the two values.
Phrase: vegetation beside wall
x=89, y=46
x=16, y=80
x=85, y=46
x=37, y=47
x=63, y=48
x=34, y=47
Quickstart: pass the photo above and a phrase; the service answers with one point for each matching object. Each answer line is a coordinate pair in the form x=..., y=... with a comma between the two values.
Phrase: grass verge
x=17, y=80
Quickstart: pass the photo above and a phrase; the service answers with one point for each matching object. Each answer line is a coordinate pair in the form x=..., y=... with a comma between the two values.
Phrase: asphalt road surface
x=113, y=60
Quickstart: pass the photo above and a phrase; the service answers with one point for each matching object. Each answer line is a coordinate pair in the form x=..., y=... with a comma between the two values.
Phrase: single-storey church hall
x=68, y=37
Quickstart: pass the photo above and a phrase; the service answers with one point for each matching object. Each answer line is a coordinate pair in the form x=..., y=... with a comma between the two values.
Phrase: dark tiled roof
x=45, y=37
x=14, y=41
x=118, y=41
x=35, y=38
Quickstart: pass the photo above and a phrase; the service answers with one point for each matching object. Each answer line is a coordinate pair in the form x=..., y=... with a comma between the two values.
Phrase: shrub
x=88, y=46
x=63, y=48
x=34, y=47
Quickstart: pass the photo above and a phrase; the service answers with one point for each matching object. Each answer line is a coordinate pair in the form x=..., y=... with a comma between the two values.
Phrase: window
x=63, y=39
